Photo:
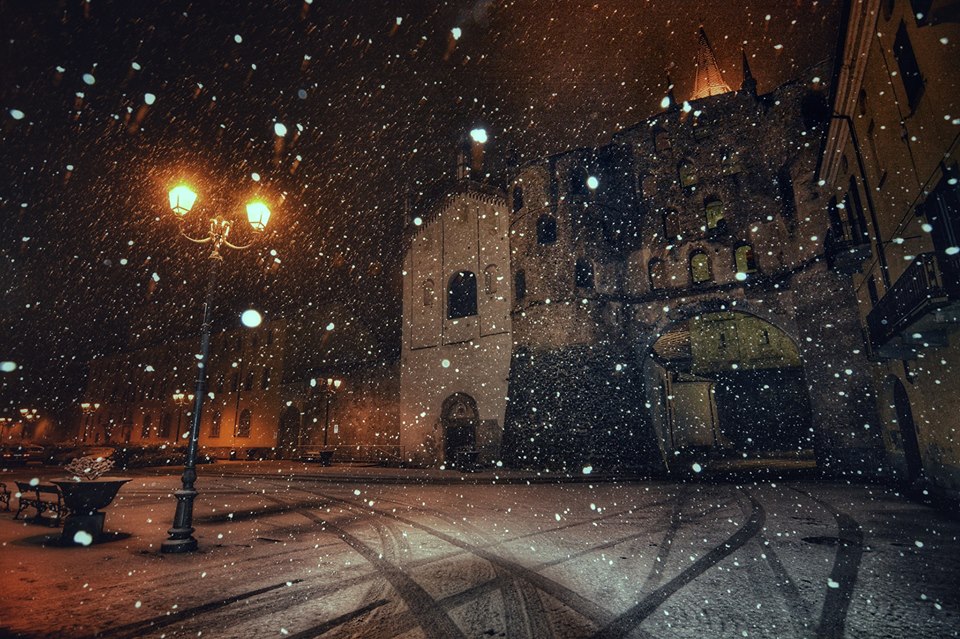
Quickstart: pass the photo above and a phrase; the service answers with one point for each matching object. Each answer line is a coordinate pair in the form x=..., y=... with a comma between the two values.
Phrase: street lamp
x=88, y=409
x=28, y=415
x=181, y=400
x=329, y=387
x=182, y=199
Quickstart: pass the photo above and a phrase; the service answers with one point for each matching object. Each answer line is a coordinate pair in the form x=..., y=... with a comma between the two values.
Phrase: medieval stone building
x=667, y=293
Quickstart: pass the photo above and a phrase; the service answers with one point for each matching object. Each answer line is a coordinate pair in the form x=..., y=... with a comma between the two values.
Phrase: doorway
x=459, y=420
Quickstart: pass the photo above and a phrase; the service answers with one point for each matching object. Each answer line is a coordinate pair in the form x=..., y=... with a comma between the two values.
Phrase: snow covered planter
x=85, y=493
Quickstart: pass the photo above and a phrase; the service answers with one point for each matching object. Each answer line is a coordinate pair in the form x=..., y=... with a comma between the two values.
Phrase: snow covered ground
x=283, y=557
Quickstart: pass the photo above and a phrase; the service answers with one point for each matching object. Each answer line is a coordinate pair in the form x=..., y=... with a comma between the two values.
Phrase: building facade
x=889, y=174
x=668, y=293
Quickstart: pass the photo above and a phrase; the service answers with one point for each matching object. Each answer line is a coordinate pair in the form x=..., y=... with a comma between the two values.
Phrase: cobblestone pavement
x=298, y=558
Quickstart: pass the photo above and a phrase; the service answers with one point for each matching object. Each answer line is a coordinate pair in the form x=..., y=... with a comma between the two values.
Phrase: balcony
x=918, y=310
x=846, y=252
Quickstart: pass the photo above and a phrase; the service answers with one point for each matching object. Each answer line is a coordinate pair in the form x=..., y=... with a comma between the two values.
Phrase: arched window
x=145, y=430
x=491, y=275
x=462, y=295
x=655, y=269
x=546, y=229
x=688, y=174
x=166, y=422
x=517, y=198
x=745, y=259
x=700, y=268
x=428, y=293
x=215, y=419
x=243, y=426
x=714, y=214
x=583, y=274
x=520, y=285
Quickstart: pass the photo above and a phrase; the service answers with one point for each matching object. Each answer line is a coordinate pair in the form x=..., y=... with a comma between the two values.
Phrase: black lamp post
x=181, y=201
x=88, y=409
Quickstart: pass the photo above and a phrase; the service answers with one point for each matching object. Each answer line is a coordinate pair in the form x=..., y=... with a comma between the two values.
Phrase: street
x=301, y=558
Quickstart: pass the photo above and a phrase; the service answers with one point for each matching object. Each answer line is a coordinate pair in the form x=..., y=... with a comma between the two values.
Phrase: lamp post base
x=177, y=546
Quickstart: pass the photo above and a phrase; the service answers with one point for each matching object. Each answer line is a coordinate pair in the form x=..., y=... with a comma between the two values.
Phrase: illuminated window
x=243, y=427
x=688, y=174
x=746, y=259
x=462, y=295
x=546, y=229
x=700, y=268
x=714, y=214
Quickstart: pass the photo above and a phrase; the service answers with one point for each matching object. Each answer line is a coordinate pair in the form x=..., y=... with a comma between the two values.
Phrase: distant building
x=889, y=174
x=668, y=293
x=267, y=392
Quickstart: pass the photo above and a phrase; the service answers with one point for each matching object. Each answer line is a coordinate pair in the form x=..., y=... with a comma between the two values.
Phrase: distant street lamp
x=88, y=409
x=182, y=199
x=28, y=415
x=329, y=386
x=181, y=400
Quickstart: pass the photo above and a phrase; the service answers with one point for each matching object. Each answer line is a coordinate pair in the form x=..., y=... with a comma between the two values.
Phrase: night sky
x=105, y=105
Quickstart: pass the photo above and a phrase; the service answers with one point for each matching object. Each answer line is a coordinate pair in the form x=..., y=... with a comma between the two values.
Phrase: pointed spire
x=709, y=80
x=749, y=84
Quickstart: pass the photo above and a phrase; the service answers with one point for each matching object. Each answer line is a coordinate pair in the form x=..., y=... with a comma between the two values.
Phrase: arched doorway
x=288, y=433
x=459, y=420
x=729, y=381
x=908, y=431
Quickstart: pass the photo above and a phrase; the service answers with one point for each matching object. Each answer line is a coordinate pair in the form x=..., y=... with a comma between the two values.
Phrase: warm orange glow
x=258, y=214
x=182, y=199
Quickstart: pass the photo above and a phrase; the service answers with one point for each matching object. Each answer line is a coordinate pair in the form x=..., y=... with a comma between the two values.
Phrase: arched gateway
x=459, y=419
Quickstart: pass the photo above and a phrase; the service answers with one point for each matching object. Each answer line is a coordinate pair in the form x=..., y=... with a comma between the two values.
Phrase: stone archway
x=459, y=419
x=908, y=431
x=288, y=433
x=728, y=381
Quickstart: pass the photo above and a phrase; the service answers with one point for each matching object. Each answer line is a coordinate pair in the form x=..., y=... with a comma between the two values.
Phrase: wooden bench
x=4, y=496
x=42, y=498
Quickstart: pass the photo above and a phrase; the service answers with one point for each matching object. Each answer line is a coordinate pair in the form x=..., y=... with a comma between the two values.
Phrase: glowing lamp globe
x=182, y=199
x=258, y=215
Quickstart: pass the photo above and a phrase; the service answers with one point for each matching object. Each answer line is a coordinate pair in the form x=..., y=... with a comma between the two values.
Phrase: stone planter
x=84, y=499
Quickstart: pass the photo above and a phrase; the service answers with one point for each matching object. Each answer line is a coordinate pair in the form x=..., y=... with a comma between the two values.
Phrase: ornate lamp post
x=329, y=387
x=181, y=400
x=88, y=409
x=181, y=201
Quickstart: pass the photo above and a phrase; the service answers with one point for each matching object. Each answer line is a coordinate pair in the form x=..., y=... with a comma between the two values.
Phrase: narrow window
x=462, y=295
x=220, y=380
x=490, y=276
x=583, y=274
x=428, y=293
x=145, y=430
x=248, y=384
x=517, y=198
x=745, y=259
x=236, y=382
x=215, y=419
x=520, y=285
x=655, y=269
x=700, y=268
x=265, y=382
x=671, y=224
x=909, y=69
x=688, y=174
x=166, y=422
x=243, y=427
x=546, y=229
